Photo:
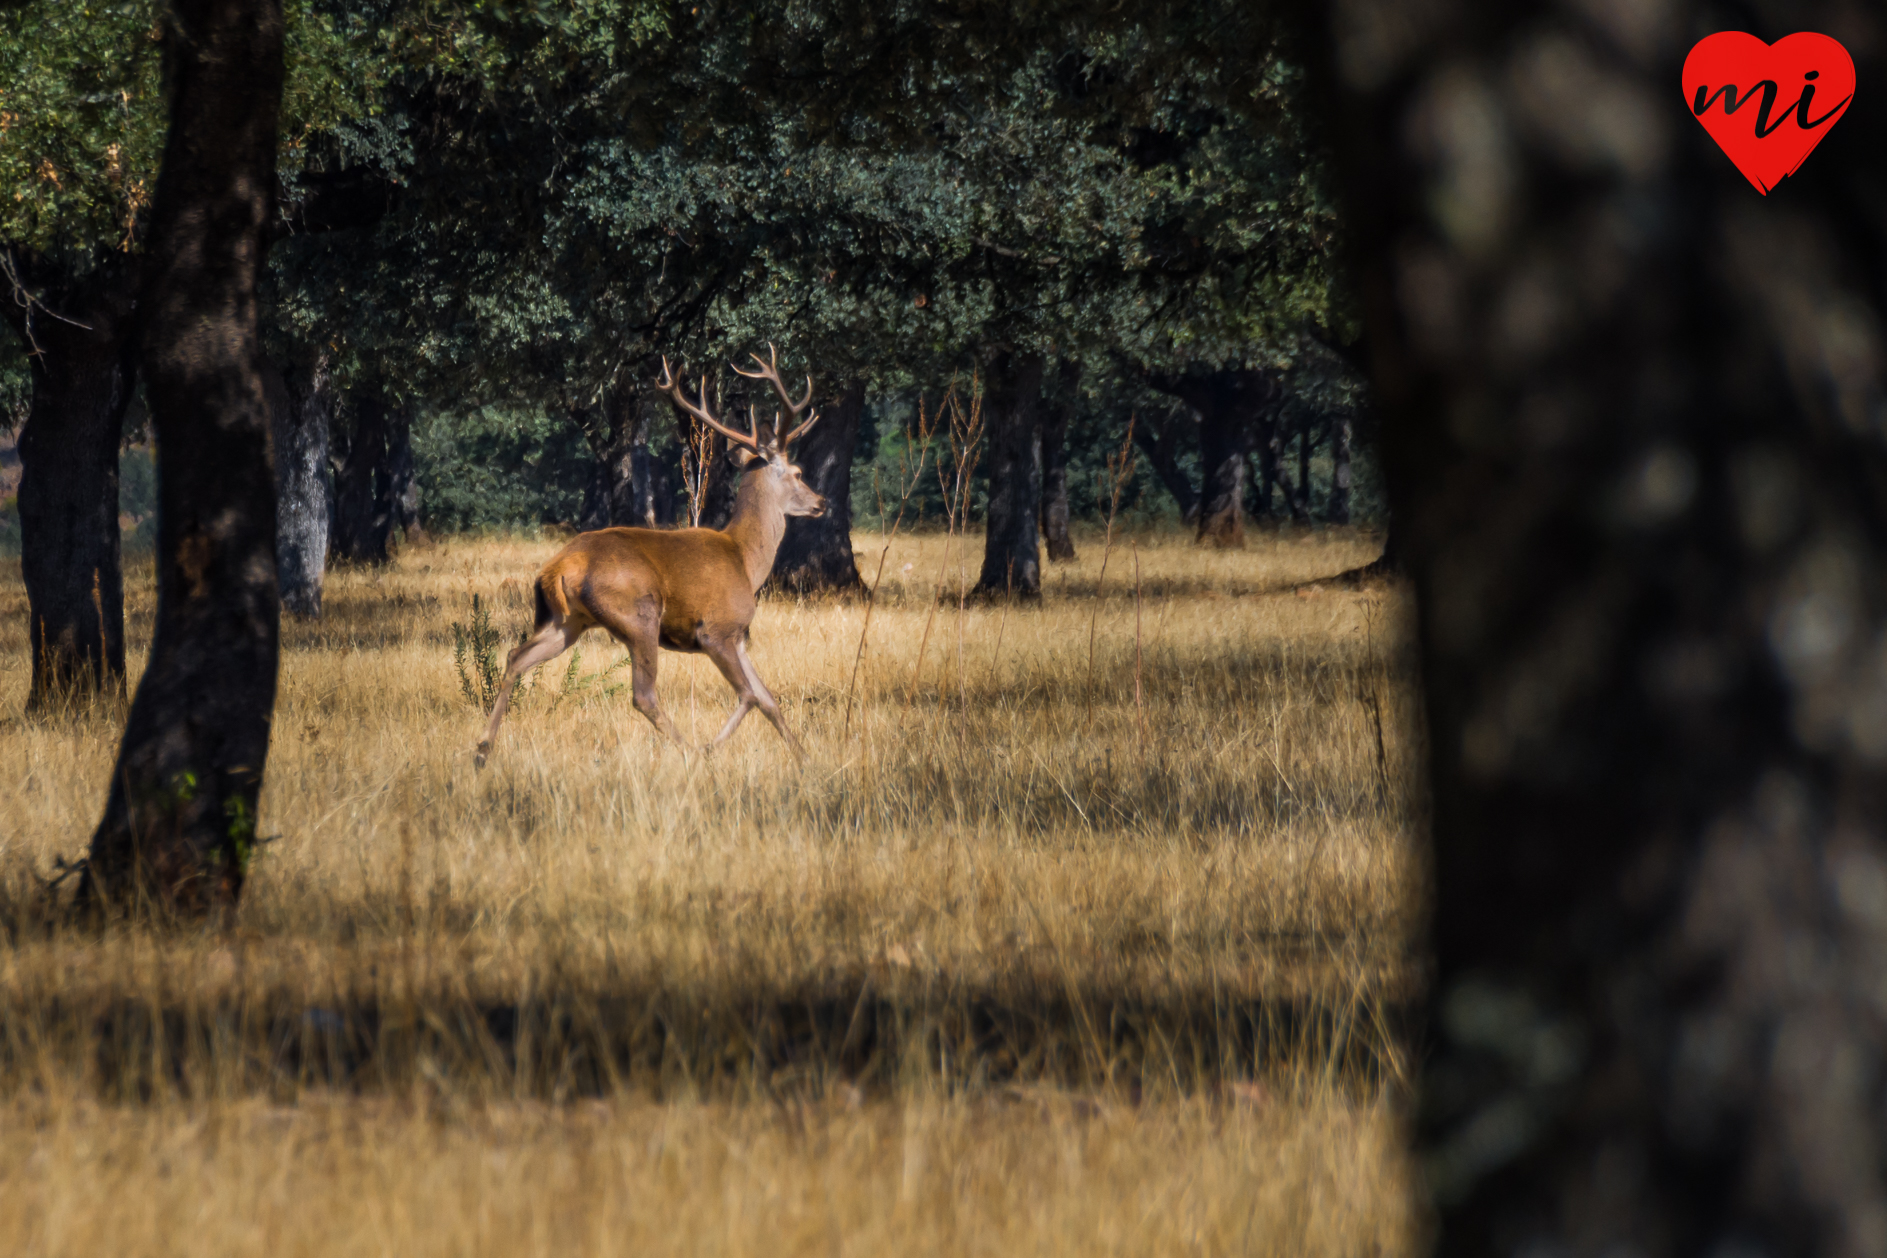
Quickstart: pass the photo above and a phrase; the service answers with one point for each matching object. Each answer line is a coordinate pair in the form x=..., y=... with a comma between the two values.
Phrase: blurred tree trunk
x=77, y=332
x=1012, y=548
x=1632, y=433
x=299, y=406
x=374, y=489
x=1055, y=421
x=816, y=554
x=1342, y=433
x=180, y=822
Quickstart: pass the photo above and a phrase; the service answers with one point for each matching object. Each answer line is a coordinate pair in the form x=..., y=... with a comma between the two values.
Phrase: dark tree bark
x=816, y=554
x=373, y=481
x=78, y=334
x=1341, y=430
x=593, y=513
x=1160, y=443
x=299, y=407
x=1300, y=491
x=1225, y=439
x=648, y=503
x=1230, y=405
x=402, y=490
x=1012, y=550
x=622, y=492
x=180, y=821
x=1270, y=453
x=1633, y=444
x=1385, y=567
x=1056, y=417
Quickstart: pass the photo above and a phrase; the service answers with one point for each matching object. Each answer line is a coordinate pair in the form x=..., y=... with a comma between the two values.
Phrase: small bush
x=475, y=655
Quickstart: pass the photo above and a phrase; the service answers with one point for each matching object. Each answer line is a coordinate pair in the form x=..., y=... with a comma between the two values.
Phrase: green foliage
x=81, y=122
x=577, y=684
x=880, y=188
x=497, y=467
x=481, y=672
x=83, y=116
x=568, y=189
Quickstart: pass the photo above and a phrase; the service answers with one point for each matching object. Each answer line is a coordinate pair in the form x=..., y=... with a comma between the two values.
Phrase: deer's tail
x=549, y=598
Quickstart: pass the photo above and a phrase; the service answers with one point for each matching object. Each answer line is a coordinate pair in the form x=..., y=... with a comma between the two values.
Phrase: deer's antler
x=671, y=386
x=770, y=372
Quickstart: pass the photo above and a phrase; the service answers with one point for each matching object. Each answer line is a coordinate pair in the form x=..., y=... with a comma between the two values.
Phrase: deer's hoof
x=478, y=761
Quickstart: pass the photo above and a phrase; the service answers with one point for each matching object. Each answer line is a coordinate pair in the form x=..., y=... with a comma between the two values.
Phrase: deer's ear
x=742, y=456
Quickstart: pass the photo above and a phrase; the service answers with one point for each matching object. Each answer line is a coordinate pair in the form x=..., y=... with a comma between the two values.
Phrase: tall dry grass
x=1002, y=905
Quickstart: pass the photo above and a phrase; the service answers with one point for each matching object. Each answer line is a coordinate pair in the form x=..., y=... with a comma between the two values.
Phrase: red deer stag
x=683, y=589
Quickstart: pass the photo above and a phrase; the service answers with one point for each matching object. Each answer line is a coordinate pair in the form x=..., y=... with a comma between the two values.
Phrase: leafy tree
x=81, y=125
x=1036, y=193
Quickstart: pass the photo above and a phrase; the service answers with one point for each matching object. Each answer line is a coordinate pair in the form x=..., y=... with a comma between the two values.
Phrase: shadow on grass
x=579, y=1040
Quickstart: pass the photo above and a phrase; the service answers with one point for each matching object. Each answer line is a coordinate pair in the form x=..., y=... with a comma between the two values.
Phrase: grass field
x=1085, y=928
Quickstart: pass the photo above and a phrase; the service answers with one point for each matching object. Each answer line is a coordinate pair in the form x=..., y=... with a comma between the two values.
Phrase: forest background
x=496, y=220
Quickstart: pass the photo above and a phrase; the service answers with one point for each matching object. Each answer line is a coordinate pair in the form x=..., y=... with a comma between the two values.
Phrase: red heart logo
x=1799, y=85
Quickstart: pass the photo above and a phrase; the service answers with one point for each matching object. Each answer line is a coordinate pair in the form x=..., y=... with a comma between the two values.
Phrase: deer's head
x=764, y=459
x=780, y=479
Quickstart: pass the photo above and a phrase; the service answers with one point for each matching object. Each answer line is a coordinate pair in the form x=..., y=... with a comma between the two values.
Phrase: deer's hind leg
x=737, y=667
x=547, y=643
x=641, y=632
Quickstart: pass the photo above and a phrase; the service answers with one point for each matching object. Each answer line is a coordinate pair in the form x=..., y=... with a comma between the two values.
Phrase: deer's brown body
x=675, y=589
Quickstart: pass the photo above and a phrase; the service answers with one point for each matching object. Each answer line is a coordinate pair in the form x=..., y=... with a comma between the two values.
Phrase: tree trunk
x=644, y=506
x=402, y=489
x=816, y=554
x=618, y=433
x=299, y=405
x=1012, y=552
x=1384, y=567
x=180, y=822
x=1055, y=421
x=1225, y=437
x=1270, y=456
x=626, y=465
x=68, y=498
x=723, y=473
x=1230, y=405
x=1300, y=492
x=646, y=475
x=593, y=512
x=1338, y=512
x=667, y=493
x=1161, y=447
x=1646, y=523
x=373, y=481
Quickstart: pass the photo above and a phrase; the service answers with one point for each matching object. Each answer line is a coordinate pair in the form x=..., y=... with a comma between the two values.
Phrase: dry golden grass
x=1028, y=1173
x=1008, y=924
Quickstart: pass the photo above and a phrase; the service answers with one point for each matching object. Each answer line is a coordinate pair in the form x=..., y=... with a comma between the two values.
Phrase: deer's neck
x=757, y=526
